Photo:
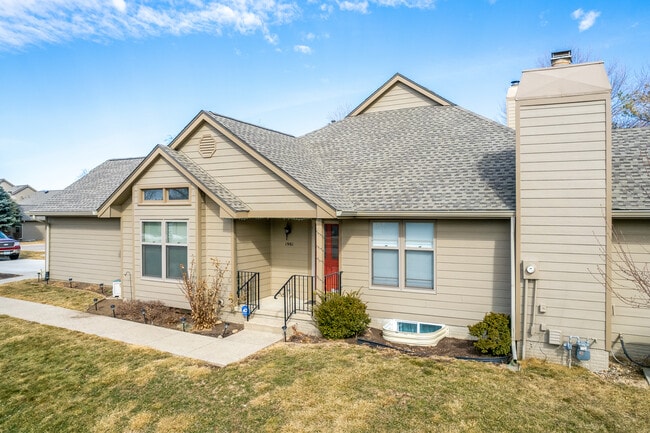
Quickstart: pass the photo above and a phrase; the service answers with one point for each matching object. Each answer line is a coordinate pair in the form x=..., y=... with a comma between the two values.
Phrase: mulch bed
x=447, y=347
x=157, y=314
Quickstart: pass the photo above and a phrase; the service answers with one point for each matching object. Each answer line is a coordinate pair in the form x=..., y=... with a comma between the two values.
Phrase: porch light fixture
x=287, y=231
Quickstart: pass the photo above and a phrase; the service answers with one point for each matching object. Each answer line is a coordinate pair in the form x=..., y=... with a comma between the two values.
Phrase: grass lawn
x=57, y=380
x=51, y=294
x=35, y=255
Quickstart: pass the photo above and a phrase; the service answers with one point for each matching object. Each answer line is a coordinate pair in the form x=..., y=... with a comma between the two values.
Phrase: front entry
x=332, y=280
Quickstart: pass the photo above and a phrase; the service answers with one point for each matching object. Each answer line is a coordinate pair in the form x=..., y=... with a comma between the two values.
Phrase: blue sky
x=83, y=81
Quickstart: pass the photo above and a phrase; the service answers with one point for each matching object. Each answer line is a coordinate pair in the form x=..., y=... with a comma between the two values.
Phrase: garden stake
x=225, y=328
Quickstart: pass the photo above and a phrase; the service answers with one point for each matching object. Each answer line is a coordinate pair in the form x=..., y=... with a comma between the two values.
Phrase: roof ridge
x=213, y=114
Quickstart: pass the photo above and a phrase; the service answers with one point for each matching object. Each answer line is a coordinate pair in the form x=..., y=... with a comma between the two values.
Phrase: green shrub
x=341, y=316
x=493, y=334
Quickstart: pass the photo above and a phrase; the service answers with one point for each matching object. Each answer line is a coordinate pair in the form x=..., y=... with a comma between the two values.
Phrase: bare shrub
x=203, y=295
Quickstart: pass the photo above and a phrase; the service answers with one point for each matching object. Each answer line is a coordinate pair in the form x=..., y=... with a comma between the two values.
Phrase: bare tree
x=635, y=102
x=625, y=268
x=341, y=112
x=630, y=94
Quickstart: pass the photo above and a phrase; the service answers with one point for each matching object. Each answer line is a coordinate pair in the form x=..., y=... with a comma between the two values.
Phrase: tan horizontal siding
x=253, y=183
x=216, y=241
x=400, y=96
x=472, y=274
x=293, y=259
x=633, y=323
x=85, y=249
x=254, y=251
x=560, y=111
x=562, y=206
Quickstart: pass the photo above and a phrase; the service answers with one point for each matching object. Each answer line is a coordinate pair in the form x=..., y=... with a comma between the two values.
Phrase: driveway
x=25, y=268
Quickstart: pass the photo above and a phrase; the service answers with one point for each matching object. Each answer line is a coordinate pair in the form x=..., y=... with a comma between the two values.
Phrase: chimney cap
x=561, y=58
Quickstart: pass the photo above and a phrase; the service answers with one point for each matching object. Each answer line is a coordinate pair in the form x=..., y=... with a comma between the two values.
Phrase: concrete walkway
x=216, y=351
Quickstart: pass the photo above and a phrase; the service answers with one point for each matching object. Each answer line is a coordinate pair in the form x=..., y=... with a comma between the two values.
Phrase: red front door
x=331, y=257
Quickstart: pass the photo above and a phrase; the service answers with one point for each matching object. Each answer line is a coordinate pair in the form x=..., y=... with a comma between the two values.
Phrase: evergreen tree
x=9, y=213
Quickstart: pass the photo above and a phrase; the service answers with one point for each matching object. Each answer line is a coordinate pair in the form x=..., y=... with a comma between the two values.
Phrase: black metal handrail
x=298, y=294
x=248, y=282
x=332, y=283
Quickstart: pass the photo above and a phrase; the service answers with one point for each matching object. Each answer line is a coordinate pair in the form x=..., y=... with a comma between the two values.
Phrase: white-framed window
x=164, y=248
x=402, y=254
x=180, y=194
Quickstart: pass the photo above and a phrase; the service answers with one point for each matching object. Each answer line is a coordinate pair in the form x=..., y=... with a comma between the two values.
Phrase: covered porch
x=282, y=264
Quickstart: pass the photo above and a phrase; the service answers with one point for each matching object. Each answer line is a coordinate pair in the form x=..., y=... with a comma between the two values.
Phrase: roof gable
x=226, y=200
x=280, y=153
x=396, y=93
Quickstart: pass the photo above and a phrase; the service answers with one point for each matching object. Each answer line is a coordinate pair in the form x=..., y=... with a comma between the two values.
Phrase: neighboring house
x=27, y=198
x=33, y=228
x=427, y=208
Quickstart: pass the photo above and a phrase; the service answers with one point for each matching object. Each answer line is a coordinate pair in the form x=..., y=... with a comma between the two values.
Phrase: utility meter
x=530, y=270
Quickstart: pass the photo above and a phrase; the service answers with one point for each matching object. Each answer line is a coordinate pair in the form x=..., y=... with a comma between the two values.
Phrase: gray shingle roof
x=208, y=182
x=88, y=193
x=292, y=156
x=631, y=169
x=424, y=159
x=420, y=159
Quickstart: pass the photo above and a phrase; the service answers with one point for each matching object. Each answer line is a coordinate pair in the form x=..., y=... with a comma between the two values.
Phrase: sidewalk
x=217, y=351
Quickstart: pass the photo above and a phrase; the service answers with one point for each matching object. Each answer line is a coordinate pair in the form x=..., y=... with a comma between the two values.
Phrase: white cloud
x=304, y=49
x=361, y=7
x=364, y=6
x=576, y=14
x=120, y=5
x=417, y=4
x=30, y=22
x=587, y=19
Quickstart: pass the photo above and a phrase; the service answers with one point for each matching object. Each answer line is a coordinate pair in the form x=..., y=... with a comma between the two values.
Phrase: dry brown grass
x=56, y=380
x=54, y=293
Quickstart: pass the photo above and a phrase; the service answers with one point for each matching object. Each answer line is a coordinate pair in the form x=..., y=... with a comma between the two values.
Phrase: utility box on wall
x=530, y=270
x=554, y=337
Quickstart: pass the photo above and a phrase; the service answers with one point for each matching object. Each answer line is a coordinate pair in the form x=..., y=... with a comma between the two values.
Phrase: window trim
x=165, y=195
x=164, y=244
x=402, y=249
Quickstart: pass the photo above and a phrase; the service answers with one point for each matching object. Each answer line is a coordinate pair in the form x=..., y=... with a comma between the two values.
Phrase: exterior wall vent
x=207, y=146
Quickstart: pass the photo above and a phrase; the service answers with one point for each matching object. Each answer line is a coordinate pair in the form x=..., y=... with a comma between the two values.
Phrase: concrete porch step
x=300, y=322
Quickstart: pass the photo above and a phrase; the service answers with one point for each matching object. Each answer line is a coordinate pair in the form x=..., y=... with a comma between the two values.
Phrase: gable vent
x=207, y=146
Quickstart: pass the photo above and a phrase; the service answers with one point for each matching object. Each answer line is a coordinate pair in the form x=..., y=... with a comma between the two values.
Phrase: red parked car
x=9, y=247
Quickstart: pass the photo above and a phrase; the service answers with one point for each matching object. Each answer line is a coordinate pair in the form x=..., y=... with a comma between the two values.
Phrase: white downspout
x=47, y=245
x=524, y=321
x=513, y=298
